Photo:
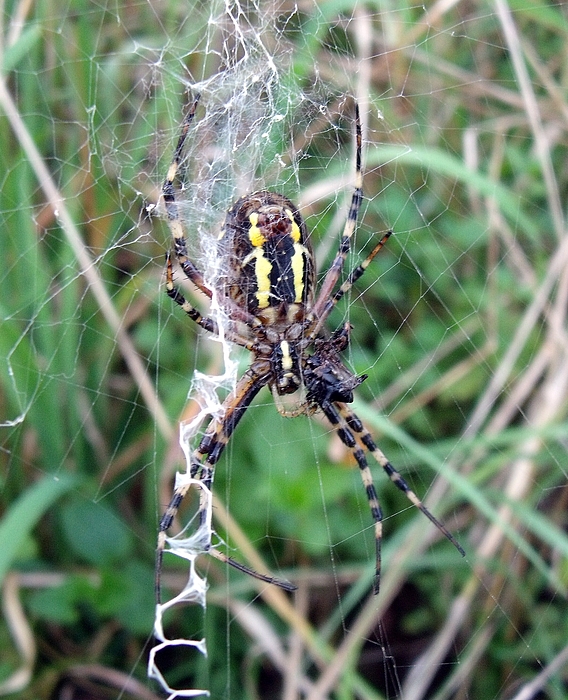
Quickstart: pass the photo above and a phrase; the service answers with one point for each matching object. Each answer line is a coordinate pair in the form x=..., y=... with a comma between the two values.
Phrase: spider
x=267, y=290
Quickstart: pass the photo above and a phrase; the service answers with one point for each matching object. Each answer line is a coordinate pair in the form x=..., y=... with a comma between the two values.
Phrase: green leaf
x=124, y=593
x=59, y=604
x=94, y=533
x=23, y=515
x=137, y=611
x=15, y=53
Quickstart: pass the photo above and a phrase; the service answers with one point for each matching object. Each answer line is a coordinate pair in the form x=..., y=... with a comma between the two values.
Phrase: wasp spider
x=267, y=289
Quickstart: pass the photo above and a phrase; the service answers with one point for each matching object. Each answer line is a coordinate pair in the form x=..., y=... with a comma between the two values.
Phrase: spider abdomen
x=270, y=266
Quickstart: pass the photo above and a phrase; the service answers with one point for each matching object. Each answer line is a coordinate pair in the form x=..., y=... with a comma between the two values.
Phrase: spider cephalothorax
x=266, y=289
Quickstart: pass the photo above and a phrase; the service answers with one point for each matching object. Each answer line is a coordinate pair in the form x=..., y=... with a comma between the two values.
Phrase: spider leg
x=180, y=242
x=205, y=322
x=354, y=275
x=356, y=437
x=340, y=426
x=171, y=290
x=332, y=275
x=363, y=437
x=265, y=578
x=203, y=462
x=171, y=206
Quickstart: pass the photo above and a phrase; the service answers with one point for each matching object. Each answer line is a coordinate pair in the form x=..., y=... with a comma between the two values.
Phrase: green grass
x=460, y=325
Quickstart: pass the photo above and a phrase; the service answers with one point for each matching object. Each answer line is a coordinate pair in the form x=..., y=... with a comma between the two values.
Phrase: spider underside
x=267, y=292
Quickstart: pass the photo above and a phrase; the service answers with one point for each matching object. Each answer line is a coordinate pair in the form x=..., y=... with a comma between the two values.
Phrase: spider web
x=460, y=324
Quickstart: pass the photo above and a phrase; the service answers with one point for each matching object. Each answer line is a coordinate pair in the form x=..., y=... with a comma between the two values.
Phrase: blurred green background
x=460, y=324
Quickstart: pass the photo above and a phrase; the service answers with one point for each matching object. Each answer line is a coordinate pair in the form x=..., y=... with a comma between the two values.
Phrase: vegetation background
x=460, y=325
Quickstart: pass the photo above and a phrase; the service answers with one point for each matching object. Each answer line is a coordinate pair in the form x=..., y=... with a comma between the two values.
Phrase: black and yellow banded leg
x=265, y=578
x=172, y=210
x=354, y=275
x=364, y=438
x=176, y=226
x=334, y=271
x=206, y=322
x=346, y=435
x=203, y=462
x=173, y=292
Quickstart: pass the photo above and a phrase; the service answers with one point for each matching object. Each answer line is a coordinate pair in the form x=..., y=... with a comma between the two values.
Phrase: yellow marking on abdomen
x=255, y=234
x=298, y=270
x=262, y=270
x=296, y=233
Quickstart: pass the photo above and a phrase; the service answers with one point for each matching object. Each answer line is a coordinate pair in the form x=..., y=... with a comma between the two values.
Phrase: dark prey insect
x=267, y=290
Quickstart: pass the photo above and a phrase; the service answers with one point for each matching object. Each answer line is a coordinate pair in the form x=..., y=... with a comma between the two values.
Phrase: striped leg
x=354, y=275
x=336, y=266
x=363, y=438
x=171, y=205
x=326, y=299
x=171, y=290
x=346, y=435
x=205, y=322
x=357, y=438
x=203, y=462
x=180, y=245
